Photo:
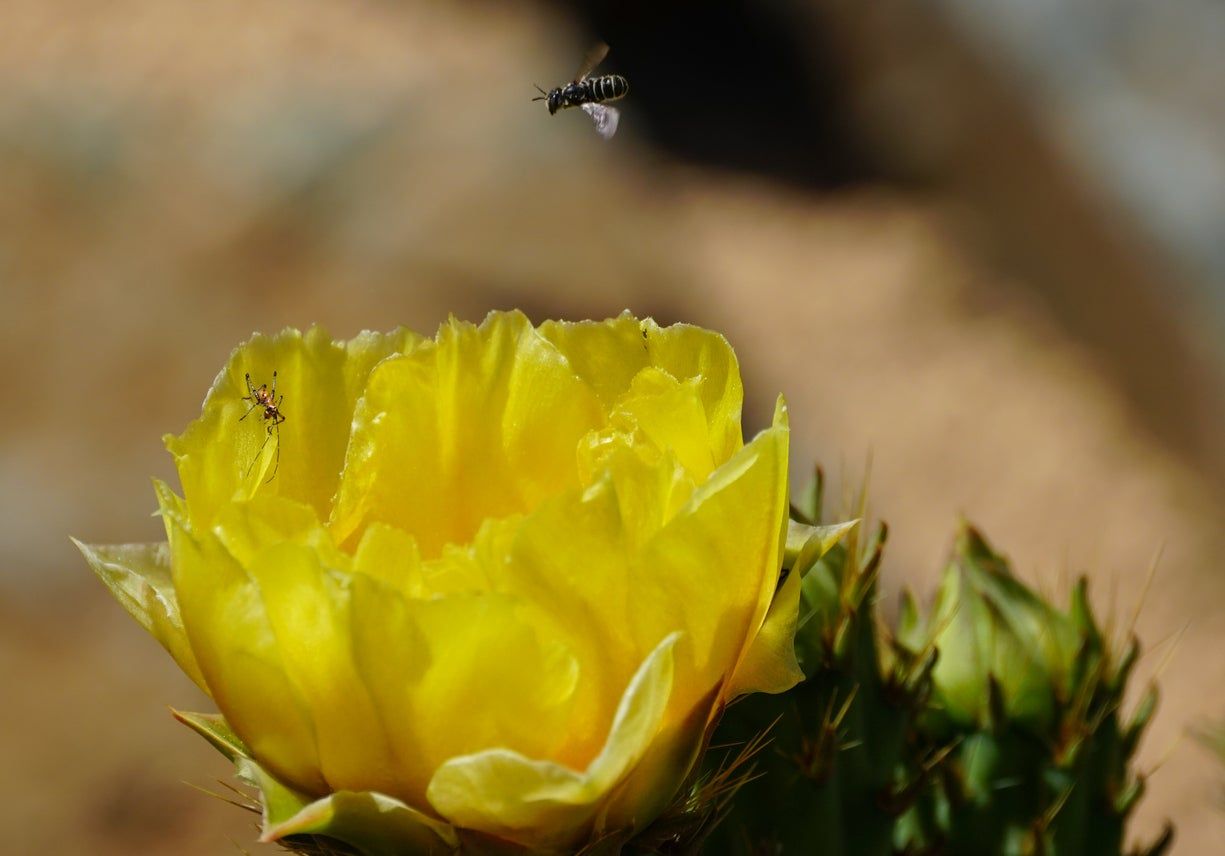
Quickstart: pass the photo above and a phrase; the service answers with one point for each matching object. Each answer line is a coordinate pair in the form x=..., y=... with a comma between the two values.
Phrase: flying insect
x=590, y=93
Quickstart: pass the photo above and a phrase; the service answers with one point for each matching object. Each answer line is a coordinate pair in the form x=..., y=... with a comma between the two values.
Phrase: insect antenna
x=544, y=96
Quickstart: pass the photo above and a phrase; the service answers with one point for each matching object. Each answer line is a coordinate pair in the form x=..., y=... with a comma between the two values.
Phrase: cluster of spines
x=841, y=767
x=863, y=760
x=1018, y=785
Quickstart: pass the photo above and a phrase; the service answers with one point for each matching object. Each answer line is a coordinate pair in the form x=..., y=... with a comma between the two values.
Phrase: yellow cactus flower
x=493, y=586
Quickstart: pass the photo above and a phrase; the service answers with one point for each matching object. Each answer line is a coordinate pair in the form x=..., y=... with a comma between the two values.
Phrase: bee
x=263, y=397
x=590, y=93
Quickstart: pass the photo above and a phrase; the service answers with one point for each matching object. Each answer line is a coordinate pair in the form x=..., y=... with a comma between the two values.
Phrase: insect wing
x=606, y=118
x=594, y=57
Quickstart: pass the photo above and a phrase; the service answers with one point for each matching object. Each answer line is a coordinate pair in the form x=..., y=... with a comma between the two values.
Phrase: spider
x=262, y=396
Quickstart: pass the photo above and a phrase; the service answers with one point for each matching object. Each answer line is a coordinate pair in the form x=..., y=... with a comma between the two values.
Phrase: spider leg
x=274, y=383
x=250, y=386
x=276, y=465
x=259, y=454
x=249, y=409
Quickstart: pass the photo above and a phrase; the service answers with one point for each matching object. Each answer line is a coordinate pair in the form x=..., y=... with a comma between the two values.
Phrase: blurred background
x=979, y=241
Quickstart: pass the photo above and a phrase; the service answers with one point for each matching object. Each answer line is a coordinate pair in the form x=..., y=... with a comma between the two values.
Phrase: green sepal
x=213, y=728
x=279, y=802
x=370, y=823
x=1139, y=721
x=1129, y=796
x=1117, y=680
x=138, y=575
x=910, y=625
x=807, y=544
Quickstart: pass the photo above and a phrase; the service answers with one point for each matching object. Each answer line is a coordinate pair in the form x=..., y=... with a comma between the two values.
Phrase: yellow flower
x=499, y=582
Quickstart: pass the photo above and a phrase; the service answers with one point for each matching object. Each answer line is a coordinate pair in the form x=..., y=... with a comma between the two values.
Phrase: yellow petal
x=391, y=654
x=720, y=557
x=494, y=679
x=770, y=664
x=545, y=805
x=241, y=659
x=569, y=560
x=608, y=355
x=671, y=417
x=476, y=567
x=138, y=575
x=655, y=780
x=390, y=555
x=454, y=675
x=688, y=352
x=308, y=611
x=650, y=484
x=481, y=424
x=222, y=455
x=169, y=505
x=246, y=529
x=605, y=354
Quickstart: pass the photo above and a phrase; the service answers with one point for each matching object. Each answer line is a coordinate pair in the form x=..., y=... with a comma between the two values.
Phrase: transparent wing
x=594, y=57
x=606, y=118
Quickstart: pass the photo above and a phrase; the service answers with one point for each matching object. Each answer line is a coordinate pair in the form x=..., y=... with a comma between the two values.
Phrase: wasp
x=590, y=93
x=262, y=396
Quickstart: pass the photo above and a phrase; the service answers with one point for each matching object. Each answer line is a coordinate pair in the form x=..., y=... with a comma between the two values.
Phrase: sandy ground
x=171, y=182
